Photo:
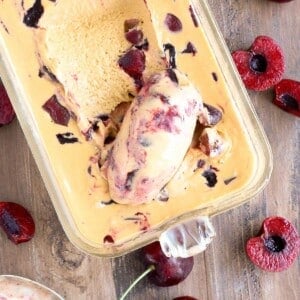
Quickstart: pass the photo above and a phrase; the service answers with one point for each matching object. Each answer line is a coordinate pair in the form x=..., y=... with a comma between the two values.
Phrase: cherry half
x=277, y=246
x=287, y=96
x=16, y=222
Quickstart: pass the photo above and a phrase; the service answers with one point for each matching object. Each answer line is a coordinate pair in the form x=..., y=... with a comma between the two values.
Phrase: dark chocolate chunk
x=227, y=181
x=172, y=54
x=110, y=202
x=109, y=139
x=195, y=21
x=131, y=219
x=130, y=95
x=46, y=71
x=103, y=117
x=4, y=26
x=95, y=126
x=140, y=219
x=172, y=75
x=33, y=14
x=211, y=177
x=89, y=170
x=190, y=48
x=66, y=138
x=143, y=46
x=215, y=76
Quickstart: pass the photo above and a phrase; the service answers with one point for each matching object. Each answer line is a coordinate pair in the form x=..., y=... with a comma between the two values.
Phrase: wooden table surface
x=223, y=271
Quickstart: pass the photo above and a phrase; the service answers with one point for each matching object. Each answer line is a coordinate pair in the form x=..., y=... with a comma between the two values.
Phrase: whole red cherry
x=162, y=270
x=167, y=271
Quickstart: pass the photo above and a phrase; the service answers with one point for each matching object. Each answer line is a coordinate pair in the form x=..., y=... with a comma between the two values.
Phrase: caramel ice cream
x=80, y=42
x=155, y=135
x=202, y=162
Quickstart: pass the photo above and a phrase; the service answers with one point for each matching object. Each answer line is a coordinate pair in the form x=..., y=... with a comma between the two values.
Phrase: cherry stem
x=144, y=274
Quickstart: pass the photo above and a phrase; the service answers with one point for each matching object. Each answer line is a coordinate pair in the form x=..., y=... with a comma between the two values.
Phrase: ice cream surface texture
x=85, y=47
x=155, y=135
x=81, y=41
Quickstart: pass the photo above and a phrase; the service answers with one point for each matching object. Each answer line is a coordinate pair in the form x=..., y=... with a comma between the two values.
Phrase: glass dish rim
x=259, y=142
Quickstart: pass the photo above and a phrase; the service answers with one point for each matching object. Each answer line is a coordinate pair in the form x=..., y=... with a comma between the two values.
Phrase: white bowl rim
x=27, y=280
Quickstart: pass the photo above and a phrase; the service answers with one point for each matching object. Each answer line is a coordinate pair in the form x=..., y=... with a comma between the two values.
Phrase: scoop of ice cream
x=154, y=137
x=81, y=43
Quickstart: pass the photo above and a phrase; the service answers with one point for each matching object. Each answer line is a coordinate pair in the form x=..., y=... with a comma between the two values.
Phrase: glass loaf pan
x=20, y=75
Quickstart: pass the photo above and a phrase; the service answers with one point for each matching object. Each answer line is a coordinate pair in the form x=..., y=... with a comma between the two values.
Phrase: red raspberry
x=277, y=247
x=262, y=66
x=7, y=113
x=190, y=48
x=287, y=96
